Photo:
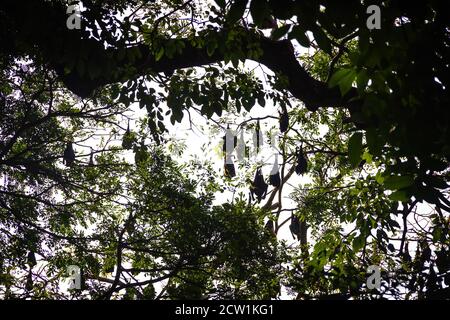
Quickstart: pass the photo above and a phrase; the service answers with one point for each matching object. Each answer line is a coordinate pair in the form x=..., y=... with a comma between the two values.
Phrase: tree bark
x=45, y=30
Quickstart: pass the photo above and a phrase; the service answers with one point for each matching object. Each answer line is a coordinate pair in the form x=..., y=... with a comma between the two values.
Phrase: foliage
x=369, y=107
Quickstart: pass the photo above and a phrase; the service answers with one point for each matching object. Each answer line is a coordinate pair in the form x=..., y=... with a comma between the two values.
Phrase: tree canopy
x=361, y=121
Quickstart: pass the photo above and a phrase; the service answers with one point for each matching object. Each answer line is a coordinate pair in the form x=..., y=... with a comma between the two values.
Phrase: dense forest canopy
x=358, y=116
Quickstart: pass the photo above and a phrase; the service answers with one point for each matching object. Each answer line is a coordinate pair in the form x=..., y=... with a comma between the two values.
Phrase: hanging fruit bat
x=270, y=227
x=258, y=187
x=406, y=256
x=284, y=121
x=69, y=155
x=91, y=158
x=29, y=283
x=229, y=141
x=274, y=178
x=127, y=140
x=31, y=259
x=302, y=164
x=426, y=253
x=229, y=169
x=295, y=226
x=258, y=137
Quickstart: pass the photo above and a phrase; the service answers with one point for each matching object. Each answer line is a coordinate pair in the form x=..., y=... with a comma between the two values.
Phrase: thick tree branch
x=278, y=56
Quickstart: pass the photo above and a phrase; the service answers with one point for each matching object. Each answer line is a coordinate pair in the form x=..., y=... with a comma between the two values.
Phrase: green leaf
x=436, y=182
x=358, y=243
x=398, y=182
x=379, y=177
x=399, y=195
x=260, y=11
x=428, y=194
x=374, y=142
x=394, y=224
x=374, y=104
x=159, y=54
x=149, y=292
x=128, y=139
x=220, y=3
x=355, y=148
x=235, y=62
x=236, y=11
x=337, y=77
x=344, y=78
x=361, y=80
x=280, y=32
x=170, y=48
x=367, y=156
x=261, y=100
x=346, y=84
x=322, y=40
x=299, y=34
x=381, y=234
x=211, y=47
x=179, y=45
x=217, y=107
